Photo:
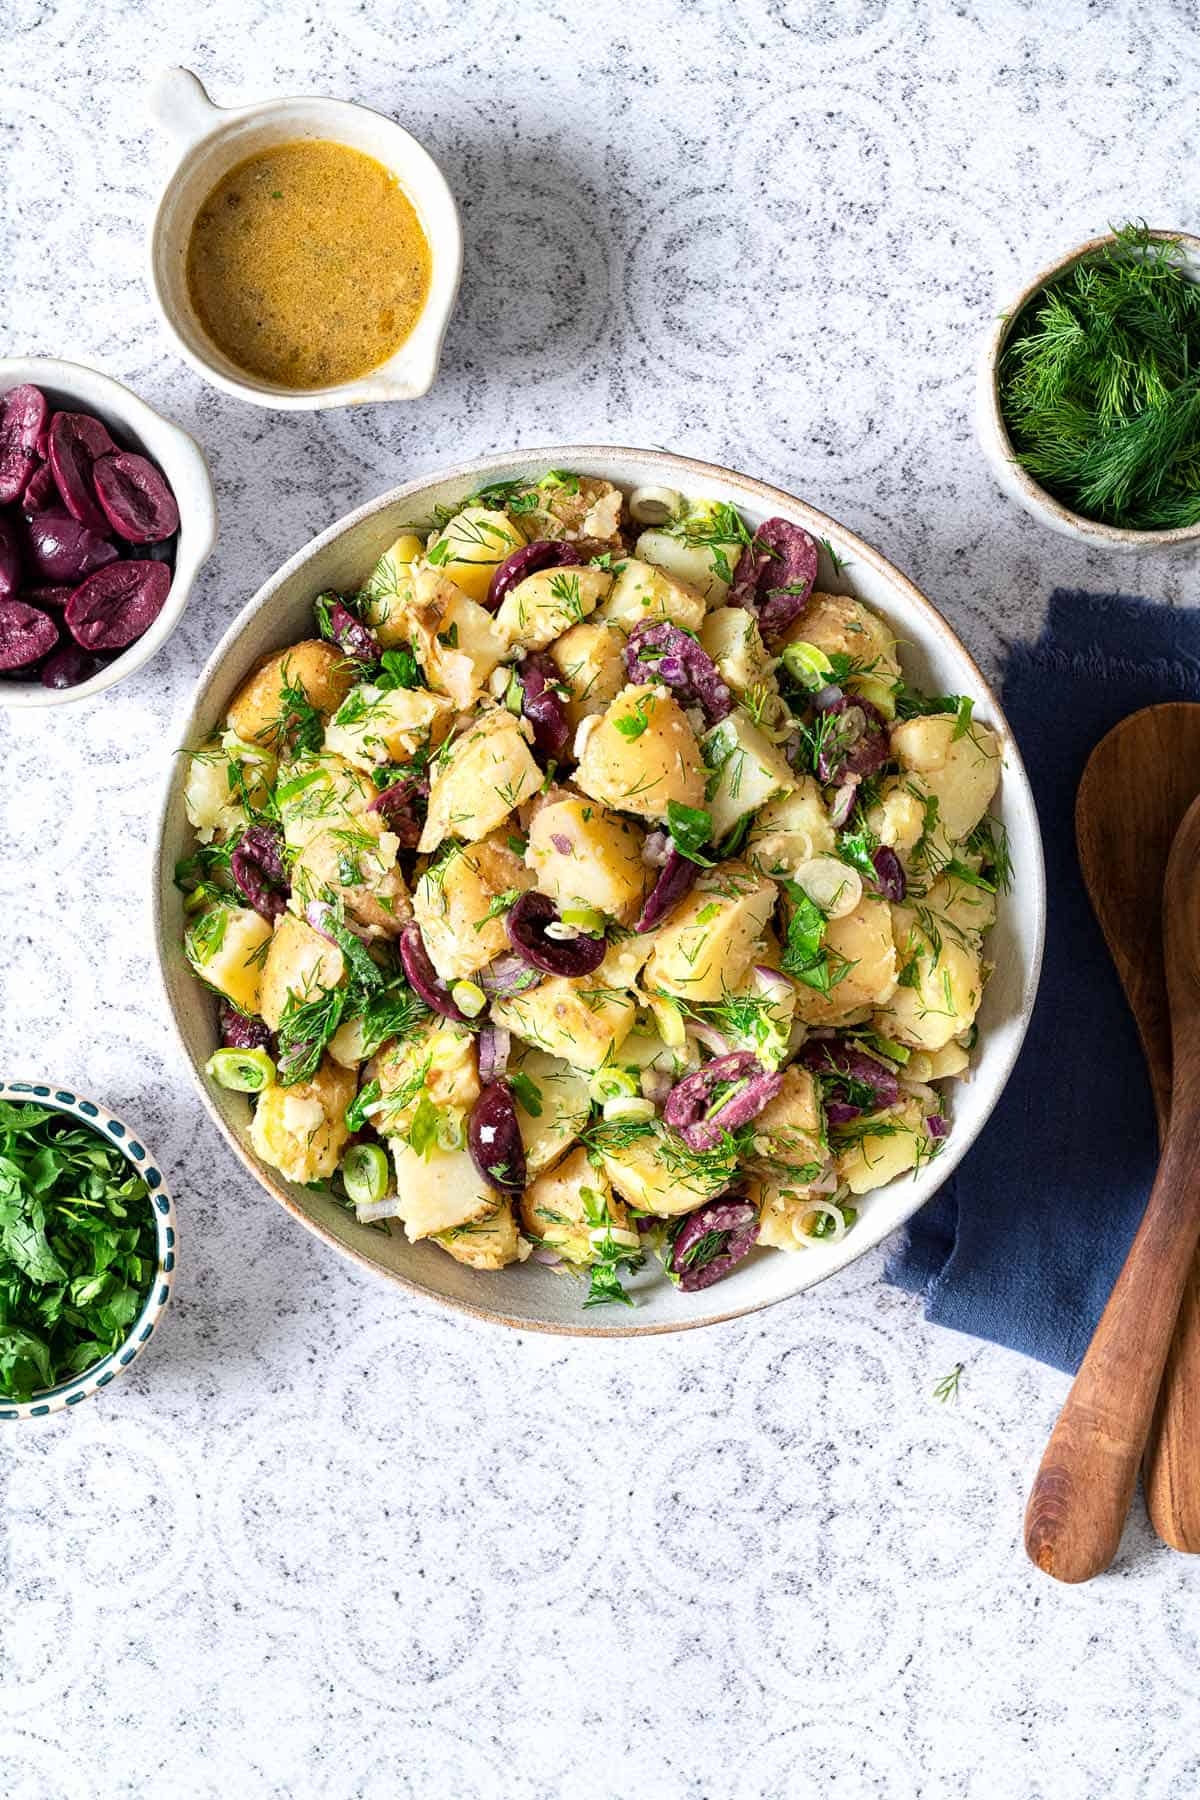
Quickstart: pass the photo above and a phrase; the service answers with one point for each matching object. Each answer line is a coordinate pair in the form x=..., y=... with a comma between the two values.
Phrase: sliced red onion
x=858, y=746
x=257, y=866
x=395, y=805
x=731, y=1218
x=853, y=1082
x=656, y=849
x=664, y=652
x=541, y=1253
x=494, y=1138
x=423, y=978
x=531, y=559
x=351, y=635
x=775, y=575
x=710, y=1037
x=889, y=873
x=543, y=706
x=240, y=1032
x=677, y=880
x=842, y=804
x=828, y=696
x=495, y=1047
x=688, y=1109
x=507, y=975
x=937, y=1126
x=561, y=842
x=526, y=924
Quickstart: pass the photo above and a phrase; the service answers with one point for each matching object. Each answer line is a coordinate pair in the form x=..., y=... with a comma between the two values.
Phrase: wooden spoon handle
x=1172, y=1467
x=1081, y=1496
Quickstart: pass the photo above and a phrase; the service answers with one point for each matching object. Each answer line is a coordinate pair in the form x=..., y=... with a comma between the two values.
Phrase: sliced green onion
x=600, y=1236
x=514, y=695
x=241, y=1071
x=898, y=1052
x=628, y=1109
x=469, y=998
x=365, y=1173
x=808, y=665
x=199, y=897
x=612, y=1084
x=449, y=1134
x=585, y=918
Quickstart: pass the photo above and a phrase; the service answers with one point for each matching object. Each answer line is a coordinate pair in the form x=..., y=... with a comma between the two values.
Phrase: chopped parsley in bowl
x=87, y=1248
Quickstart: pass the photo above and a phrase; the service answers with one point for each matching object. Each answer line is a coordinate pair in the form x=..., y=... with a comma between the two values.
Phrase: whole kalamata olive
x=26, y=634
x=531, y=559
x=76, y=442
x=527, y=926
x=494, y=1138
x=712, y=1241
x=890, y=878
x=23, y=413
x=775, y=575
x=676, y=881
x=689, y=1109
x=135, y=498
x=118, y=604
x=240, y=1032
x=542, y=705
x=258, y=868
x=423, y=978
x=68, y=667
x=666, y=653
x=60, y=549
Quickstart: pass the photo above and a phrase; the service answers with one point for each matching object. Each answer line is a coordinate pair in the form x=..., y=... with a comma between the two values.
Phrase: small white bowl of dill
x=1088, y=393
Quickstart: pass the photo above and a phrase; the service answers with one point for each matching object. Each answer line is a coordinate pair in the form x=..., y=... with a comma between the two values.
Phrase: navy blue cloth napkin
x=1025, y=1240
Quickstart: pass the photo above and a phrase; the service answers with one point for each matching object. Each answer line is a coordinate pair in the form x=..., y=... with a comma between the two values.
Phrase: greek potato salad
x=591, y=886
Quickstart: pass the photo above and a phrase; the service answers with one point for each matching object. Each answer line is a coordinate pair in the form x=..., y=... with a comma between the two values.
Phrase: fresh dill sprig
x=947, y=1387
x=1100, y=386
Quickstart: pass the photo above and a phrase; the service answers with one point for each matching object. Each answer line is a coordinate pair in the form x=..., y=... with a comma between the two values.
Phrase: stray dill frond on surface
x=947, y=1387
x=1100, y=386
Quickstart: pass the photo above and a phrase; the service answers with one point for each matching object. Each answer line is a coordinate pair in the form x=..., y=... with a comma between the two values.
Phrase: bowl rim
x=61, y=1098
x=186, y=468
x=1039, y=500
x=201, y=124
x=759, y=496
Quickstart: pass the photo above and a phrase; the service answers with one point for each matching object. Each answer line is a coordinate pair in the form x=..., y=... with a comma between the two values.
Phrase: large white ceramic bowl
x=530, y=1295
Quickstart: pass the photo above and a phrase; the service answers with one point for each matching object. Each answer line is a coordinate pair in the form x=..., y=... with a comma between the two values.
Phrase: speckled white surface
x=323, y=1542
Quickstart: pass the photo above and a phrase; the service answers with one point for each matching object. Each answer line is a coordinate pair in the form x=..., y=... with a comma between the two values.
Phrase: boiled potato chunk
x=898, y=816
x=299, y=962
x=591, y=660
x=749, y=771
x=862, y=943
x=705, y=946
x=454, y=639
x=471, y=547
x=453, y=902
x=641, y=754
x=553, y=1208
x=559, y=1095
x=438, y=1063
x=321, y=793
x=842, y=626
x=700, y=566
x=584, y=1024
x=641, y=592
x=897, y=1143
x=655, y=1174
x=732, y=638
x=226, y=947
x=389, y=590
x=940, y=983
x=964, y=907
x=962, y=768
x=583, y=855
x=479, y=779
x=387, y=725
x=789, y=1130
x=261, y=711
x=440, y=1191
x=221, y=778
x=544, y=605
x=355, y=864
x=790, y=829
x=489, y=1242
x=301, y=1130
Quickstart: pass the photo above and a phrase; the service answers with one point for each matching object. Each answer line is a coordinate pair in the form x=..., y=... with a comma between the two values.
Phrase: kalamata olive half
x=423, y=978
x=666, y=653
x=240, y=1032
x=76, y=442
x=117, y=604
x=543, y=706
x=257, y=867
x=25, y=634
x=855, y=744
x=531, y=559
x=68, y=667
x=701, y=1115
x=527, y=926
x=352, y=636
x=135, y=497
x=60, y=549
x=676, y=881
x=852, y=1082
x=890, y=878
x=494, y=1138
x=40, y=494
x=775, y=575
x=23, y=413
x=396, y=806
x=10, y=559
x=712, y=1241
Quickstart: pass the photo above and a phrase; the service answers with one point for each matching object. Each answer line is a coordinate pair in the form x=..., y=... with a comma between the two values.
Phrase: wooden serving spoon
x=1081, y=1495
x=1148, y=767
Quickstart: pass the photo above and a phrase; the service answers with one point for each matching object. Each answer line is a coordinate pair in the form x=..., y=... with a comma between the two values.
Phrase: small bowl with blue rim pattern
x=113, y=1130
